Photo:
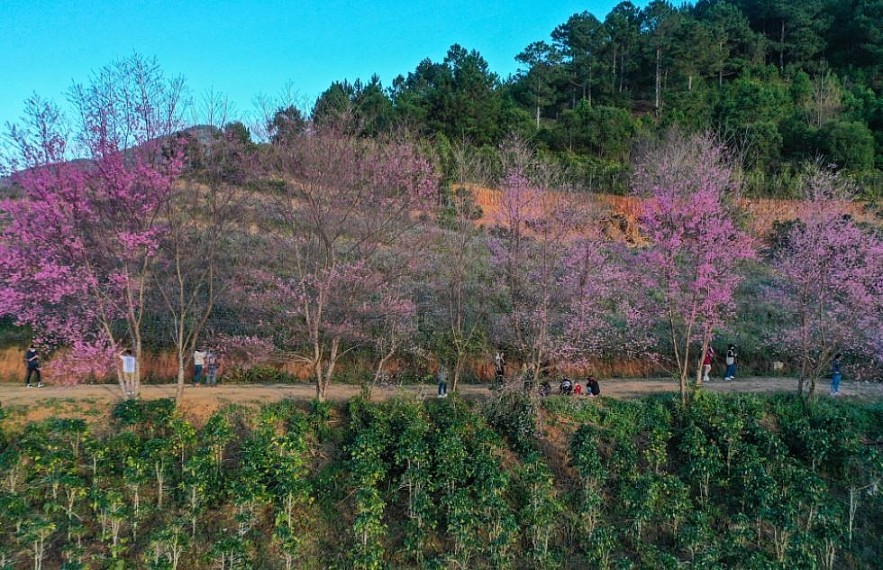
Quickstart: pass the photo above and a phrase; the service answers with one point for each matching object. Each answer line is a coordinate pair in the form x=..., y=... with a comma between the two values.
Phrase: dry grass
x=12, y=364
x=160, y=366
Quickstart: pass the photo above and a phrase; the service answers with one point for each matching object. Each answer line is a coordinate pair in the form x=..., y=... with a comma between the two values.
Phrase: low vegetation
x=512, y=482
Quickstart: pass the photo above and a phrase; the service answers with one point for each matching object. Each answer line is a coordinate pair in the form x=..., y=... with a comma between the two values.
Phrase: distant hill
x=202, y=134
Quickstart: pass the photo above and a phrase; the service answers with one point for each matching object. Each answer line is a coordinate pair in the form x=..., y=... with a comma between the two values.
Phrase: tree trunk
x=458, y=369
x=136, y=388
x=804, y=357
x=681, y=360
x=613, y=67
x=320, y=384
x=324, y=373
x=179, y=390
x=658, y=77
x=782, y=47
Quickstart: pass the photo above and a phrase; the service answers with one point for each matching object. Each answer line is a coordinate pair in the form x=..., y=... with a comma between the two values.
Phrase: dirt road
x=36, y=403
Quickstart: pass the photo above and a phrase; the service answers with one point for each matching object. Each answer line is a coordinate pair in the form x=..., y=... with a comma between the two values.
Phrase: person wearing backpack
x=32, y=361
x=731, y=363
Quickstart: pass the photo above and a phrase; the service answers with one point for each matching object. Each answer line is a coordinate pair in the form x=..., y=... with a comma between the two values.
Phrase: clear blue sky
x=245, y=49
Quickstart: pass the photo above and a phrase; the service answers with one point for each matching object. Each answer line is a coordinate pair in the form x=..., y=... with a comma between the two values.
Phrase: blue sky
x=262, y=48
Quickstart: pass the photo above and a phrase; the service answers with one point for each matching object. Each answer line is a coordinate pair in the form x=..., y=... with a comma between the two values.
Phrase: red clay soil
x=619, y=213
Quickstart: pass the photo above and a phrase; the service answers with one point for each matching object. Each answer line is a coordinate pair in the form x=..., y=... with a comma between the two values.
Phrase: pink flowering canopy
x=78, y=249
x=830, y=281
x=695, y=247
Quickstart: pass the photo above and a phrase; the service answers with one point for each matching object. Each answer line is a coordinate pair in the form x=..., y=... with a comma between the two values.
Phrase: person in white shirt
x=198, y=364
x=130, y=366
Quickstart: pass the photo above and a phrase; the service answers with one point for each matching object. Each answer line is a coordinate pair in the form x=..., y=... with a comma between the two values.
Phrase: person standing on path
x=706, y=363
x=32, y=361
x=731, y=363
x=499, y=366
x=198, y=365
x=130, y=365
x=835, y=375
x=442, y=381
x=211, y=368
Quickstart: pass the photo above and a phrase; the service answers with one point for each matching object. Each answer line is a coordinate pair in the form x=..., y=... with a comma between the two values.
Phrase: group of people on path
x=569, y=388
x=729, y=359
x=206, y=366
x=205, y=361
x=205, y=369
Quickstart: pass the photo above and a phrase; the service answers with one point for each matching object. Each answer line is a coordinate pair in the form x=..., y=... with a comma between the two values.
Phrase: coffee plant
x=728, y=482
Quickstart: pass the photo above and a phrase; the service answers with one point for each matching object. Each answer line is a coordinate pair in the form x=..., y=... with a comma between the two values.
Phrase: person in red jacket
x=706, y=363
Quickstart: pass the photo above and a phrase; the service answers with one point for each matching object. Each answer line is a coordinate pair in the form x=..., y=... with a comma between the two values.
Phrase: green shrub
x=258, y=375
x=744, y=481
x=514, y=416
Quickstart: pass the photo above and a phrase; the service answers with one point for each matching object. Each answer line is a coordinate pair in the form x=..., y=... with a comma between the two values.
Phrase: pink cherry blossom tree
x=79, y=249
x=568, y=297
x=831, y=282
x=343, y=205
x=692, y=261
x=203, y=218
x=605, y=315
x=386, y=324
x=536, y=222
x=456, y=284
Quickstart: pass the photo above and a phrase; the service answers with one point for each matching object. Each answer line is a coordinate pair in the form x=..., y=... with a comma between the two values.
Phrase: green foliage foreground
x=730, y=482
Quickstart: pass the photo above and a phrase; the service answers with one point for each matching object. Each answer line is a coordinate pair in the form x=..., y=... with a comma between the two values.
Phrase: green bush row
x=729, y=482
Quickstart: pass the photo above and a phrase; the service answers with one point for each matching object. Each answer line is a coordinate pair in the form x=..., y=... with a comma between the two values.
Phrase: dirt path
x=38, y=403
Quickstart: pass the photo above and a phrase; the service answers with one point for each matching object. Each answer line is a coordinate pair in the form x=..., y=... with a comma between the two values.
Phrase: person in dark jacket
x=731, y=363
x=32, y=361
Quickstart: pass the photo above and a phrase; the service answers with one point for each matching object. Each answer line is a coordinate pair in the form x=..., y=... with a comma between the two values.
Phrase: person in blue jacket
x=835, y=375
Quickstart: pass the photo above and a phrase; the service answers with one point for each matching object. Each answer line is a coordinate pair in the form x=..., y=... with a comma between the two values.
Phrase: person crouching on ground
x=593, y=389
